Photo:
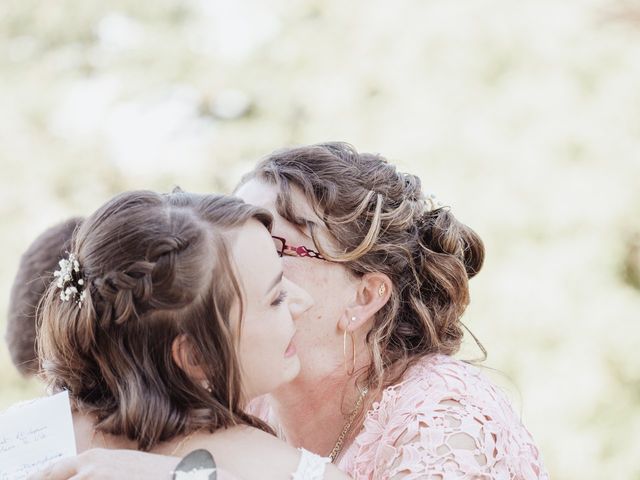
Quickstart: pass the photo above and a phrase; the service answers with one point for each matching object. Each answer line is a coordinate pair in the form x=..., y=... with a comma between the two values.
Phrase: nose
x=299, y=299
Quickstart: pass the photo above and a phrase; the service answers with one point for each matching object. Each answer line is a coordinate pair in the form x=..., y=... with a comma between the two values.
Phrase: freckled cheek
x=298, y=271
x=314, y=280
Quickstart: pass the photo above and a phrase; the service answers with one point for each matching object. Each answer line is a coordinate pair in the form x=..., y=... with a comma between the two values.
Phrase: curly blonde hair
x=379, y=220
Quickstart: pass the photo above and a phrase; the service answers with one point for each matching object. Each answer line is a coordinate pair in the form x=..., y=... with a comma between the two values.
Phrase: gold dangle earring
x=344, y=350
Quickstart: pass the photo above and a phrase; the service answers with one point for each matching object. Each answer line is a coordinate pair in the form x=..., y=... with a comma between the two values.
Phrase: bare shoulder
x=248, y=453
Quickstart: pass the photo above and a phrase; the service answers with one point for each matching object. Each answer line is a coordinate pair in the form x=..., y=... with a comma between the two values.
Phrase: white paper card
x=33, y=434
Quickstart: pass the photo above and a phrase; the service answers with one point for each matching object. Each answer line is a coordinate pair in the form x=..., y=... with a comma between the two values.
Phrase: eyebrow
x=276, y=281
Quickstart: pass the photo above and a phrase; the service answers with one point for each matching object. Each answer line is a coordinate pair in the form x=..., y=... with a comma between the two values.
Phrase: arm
x=245, y=452
x=104, y=464
x=448, y=440
x=460, y=450
x=251, y=454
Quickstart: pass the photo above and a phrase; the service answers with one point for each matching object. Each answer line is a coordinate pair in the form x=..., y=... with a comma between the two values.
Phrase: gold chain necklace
x=347, y=426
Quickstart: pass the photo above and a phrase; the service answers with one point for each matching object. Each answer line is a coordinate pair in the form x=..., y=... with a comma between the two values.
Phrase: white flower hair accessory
x=69, y=280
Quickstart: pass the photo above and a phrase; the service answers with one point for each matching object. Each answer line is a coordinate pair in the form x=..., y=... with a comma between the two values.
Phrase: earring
x=206, y=385
x=382, y=289
x=344, y=350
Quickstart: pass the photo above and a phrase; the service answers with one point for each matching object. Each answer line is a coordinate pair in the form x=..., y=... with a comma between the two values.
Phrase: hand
x=104, y=464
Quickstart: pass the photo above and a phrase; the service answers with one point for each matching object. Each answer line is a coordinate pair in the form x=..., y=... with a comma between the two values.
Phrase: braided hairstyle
x=380, y=220
x=154, y=267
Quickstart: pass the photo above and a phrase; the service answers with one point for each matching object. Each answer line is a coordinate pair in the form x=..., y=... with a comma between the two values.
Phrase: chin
x=292, y=369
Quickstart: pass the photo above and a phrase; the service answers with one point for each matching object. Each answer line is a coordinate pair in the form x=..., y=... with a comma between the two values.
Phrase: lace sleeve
x=451, y=426
x=452, y=441
x=455, y=439
x=311, y=466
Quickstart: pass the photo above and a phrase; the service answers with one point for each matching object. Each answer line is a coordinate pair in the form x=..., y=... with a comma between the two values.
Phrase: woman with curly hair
x=380, y=391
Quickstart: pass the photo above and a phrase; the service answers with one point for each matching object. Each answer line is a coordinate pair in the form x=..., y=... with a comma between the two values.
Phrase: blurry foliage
x=524, y=116
x=631, y=262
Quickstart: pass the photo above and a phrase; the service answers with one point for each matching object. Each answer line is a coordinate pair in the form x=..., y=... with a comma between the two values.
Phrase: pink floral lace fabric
x=443, y=421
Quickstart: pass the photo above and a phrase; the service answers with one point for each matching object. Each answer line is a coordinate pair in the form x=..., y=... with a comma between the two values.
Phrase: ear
x=183, y=354
x=373, y=293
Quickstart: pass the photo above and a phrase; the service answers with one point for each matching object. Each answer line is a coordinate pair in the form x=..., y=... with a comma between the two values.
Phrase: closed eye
x=279, y=299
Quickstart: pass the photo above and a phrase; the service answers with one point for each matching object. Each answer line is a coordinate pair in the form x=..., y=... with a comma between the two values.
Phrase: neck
x=312, y=414
x=88, y=437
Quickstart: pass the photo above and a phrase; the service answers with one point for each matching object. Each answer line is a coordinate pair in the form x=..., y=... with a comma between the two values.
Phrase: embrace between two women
x=189, y=330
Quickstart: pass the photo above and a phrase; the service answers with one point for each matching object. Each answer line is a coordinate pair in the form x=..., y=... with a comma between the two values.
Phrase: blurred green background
x=524, y=115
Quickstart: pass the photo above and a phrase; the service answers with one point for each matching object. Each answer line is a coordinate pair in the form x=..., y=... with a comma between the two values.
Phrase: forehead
x=255, y=257
x=264, y=194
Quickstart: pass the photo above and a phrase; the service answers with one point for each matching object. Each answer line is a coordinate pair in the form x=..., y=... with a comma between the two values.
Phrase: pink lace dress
x=445, y=420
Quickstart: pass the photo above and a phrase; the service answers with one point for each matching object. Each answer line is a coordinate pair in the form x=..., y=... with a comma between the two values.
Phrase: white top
x=311, y=466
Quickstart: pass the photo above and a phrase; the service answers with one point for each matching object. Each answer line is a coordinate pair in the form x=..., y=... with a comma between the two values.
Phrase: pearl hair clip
x=432, y=203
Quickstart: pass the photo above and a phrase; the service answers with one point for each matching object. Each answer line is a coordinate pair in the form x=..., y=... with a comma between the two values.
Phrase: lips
x=291, y=349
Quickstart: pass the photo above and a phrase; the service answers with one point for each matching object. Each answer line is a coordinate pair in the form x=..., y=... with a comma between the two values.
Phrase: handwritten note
x=33, y=434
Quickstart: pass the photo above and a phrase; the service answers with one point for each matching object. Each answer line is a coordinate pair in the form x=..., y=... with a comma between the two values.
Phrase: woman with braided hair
x=379, y=391
x=170, y=313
